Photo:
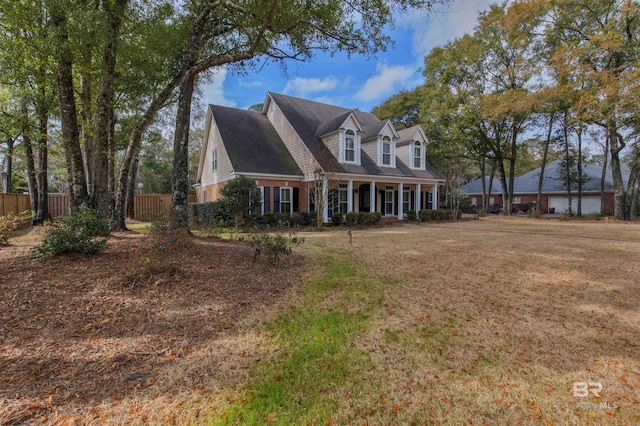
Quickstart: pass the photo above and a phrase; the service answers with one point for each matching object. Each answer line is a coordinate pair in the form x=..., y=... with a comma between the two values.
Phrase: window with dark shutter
x=276, y=199
x=267, y=199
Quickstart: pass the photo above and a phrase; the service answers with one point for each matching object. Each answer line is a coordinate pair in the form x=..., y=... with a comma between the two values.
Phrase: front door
x=364, y=193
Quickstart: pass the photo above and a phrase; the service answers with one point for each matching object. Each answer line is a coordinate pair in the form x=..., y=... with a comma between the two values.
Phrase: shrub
x=534, y=213
x=84, y=231
x=274, y=245
x=298, y=219
x=352, y=219
x=282, y=219
x=482, y=212
x=309, y=218
x=213, y=213
x=412, y=215
x=270, y=218
x=424, y=215
x=336, y=219
x=10, y=223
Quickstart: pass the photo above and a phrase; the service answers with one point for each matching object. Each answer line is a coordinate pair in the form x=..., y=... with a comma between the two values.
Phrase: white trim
x=400, y=200
x=384, y=201
x=255, y=176
x=372, y=196
x=418, y=199
x=288, y=189
x=434, y=204
x=349, y=196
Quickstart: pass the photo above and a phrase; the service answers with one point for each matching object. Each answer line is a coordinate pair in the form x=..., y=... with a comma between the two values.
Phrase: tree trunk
x=7, y=167
x=503, y=181
x=133, y=151
x=180, y=188
x=605, y=163
x=579, y=134
x=483, y=170
x=78, y=196
x=131, y=187
x=618, y=184
x=512, y=167
x=43, y=156
x=112, y=160
x=31, y=176
x=545, y=153
x=568, y=180
x=100, y=196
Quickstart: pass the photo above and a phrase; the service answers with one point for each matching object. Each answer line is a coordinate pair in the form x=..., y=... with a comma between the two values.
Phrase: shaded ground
x=76, y=333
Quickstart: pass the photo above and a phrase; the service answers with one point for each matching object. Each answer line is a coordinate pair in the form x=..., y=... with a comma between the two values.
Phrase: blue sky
x=355, y=82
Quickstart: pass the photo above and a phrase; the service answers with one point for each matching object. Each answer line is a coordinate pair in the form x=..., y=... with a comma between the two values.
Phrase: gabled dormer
x=379, y=142
x=412, y=146
x=343, y=136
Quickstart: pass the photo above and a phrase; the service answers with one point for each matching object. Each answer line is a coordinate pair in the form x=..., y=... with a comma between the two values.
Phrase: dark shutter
x=267, y=199
x=412, y=206
x=296, y=199
x=276, y=199
x=383, y=201
x=395, y=203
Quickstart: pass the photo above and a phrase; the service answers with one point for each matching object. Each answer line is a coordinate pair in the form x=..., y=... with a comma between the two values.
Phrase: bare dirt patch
x=80, y=336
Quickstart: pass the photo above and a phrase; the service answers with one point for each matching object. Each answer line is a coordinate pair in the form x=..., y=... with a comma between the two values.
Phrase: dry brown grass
x=493, y=321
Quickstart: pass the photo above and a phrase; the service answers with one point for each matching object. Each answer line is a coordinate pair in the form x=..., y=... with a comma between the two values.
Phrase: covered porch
x=391, y=197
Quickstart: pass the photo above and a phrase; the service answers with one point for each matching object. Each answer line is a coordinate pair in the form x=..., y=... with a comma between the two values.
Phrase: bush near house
x=435, y=215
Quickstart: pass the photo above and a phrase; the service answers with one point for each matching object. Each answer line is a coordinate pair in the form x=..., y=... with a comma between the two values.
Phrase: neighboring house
x=296, y=147
x=554, y=190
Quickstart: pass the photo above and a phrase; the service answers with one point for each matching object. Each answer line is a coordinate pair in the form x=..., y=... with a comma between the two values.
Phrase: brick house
x=299, y=150
x=554, y=190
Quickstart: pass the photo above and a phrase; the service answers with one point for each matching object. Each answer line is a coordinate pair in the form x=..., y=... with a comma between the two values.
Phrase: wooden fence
x=146, y=207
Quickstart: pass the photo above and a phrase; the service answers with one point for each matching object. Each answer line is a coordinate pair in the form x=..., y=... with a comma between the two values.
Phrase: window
x=516, y=200
x=386, y=151
x=285, y=200
x=474, y=201
x=406, y=201
x=338, y=201
x=214, y=159
x=350, y=146
x=417, y=155
x=492, y=200
x=388, y=200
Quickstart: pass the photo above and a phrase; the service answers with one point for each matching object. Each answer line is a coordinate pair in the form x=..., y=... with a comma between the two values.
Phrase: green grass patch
x=140, y=228
x=318, y=367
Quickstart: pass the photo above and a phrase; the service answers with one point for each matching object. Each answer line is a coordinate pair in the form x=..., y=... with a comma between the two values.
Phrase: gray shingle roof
x=528, y=182
x=306, y=116
x=252, y=143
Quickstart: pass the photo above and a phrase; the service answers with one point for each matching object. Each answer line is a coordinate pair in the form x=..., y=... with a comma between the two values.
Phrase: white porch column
x=434, y=204
x=372, y=197
x=400, y=192
x=325, y=198
x=418, y=197
x=349, y=196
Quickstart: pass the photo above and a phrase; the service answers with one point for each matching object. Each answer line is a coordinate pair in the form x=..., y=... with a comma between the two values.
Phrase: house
x=305, y=154
x=554, y=190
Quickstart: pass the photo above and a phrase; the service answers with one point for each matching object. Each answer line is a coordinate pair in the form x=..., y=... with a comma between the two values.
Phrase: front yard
x=496, y=321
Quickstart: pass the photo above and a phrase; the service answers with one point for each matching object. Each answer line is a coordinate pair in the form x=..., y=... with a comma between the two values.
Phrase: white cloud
x=435, y=28
x=303, y=86
x=386, y=81
x=213, y=91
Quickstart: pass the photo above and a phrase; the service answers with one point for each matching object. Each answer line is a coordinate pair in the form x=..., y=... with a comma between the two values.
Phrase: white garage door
x=589, y=204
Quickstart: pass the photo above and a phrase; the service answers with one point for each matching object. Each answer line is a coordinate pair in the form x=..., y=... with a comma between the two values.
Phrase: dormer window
x=350, y=146
x=386, y=151
x=417, y=155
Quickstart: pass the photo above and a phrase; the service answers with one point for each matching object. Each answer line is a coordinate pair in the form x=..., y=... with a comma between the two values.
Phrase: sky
x=356, y=82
